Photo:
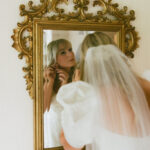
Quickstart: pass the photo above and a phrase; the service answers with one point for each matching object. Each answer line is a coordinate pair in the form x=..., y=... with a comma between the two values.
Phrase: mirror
x=50, y=21
x=69, y=42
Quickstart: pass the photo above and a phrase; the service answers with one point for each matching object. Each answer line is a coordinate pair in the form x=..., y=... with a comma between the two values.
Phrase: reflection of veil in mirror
x=120, y=119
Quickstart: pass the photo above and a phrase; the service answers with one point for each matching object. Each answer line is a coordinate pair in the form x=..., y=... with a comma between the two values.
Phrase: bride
x=61, y=64
x=108, y=110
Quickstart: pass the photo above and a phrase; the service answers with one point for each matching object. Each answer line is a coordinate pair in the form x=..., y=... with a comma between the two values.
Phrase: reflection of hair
x=92, y=40
x=52, y=50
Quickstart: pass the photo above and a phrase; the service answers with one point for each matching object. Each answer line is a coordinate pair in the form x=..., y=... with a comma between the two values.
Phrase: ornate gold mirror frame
x=27, y=38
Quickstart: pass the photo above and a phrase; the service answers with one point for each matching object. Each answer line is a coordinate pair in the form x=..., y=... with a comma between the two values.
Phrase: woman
x=61, y=63
x=111, y=112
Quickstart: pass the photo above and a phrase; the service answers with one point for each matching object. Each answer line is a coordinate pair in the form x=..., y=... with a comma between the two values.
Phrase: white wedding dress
x=80, y=124
x=52, y=125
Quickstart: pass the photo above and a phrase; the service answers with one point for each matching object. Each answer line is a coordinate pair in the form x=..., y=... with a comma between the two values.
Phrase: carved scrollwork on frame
x=110, y=13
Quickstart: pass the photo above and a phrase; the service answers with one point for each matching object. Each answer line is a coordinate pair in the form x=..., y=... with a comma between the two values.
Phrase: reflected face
x=65, y=57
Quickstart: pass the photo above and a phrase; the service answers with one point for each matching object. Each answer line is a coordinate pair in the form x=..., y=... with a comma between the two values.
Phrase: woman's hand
x=49, y=73
x=76, y=75
x=63, y=76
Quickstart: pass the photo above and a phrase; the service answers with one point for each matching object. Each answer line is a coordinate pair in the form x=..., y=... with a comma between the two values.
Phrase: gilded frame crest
x=109, y=16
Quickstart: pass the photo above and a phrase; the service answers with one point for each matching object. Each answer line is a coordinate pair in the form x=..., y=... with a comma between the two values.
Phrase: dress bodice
x=52, y=124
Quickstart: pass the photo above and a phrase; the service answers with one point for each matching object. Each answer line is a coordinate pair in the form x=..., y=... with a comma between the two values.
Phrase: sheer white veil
x=123, y=108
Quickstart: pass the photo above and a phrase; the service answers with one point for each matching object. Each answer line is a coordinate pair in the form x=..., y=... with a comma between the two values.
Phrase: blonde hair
x=52, y=50
x=92, y=40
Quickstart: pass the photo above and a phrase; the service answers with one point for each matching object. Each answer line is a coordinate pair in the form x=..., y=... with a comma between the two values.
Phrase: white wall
x=141, y=62
x=16, y=108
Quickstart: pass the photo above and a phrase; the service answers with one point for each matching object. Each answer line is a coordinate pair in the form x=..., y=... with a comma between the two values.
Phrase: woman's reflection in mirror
x=59, y=71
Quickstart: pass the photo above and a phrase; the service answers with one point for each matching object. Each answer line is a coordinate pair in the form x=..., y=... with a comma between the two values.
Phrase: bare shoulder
x=145, y=84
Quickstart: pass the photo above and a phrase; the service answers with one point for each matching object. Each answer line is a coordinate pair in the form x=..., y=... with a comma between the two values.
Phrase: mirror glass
x=57, y=44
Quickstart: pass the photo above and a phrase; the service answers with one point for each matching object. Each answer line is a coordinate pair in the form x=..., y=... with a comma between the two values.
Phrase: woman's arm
x=49, y=77
x=76, y=76
x=48, y=90
x=63, y=76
